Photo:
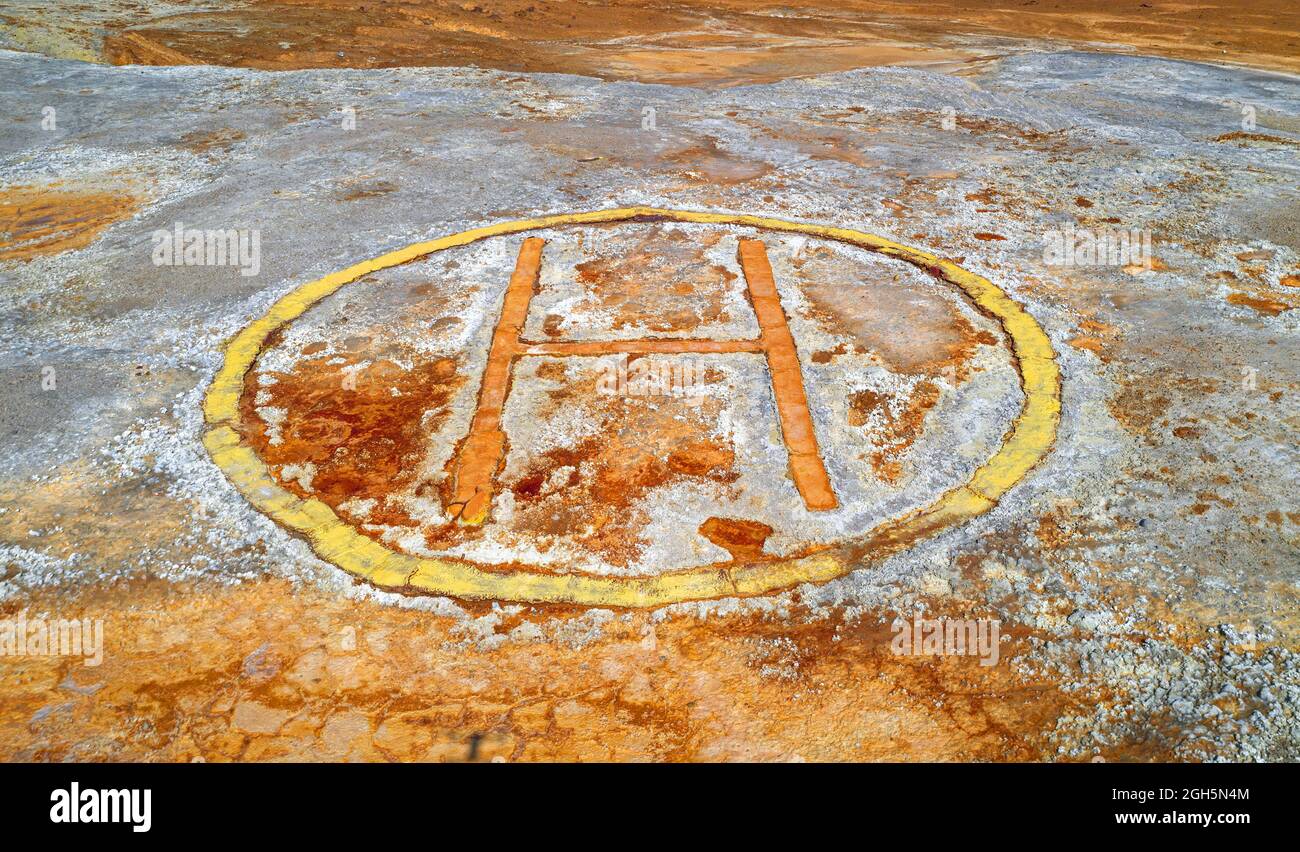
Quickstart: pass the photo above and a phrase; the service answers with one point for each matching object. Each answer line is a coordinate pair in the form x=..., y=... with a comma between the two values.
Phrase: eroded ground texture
x=718, y=42
x=1144, y=575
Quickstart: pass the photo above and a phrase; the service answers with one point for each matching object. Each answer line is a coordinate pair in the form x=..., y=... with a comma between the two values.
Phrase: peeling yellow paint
x=1029, y=440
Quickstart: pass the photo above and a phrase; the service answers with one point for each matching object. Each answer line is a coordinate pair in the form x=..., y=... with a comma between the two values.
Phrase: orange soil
x=1259, y=304
x=269, y=671
x=692, y=42
x=44, y=220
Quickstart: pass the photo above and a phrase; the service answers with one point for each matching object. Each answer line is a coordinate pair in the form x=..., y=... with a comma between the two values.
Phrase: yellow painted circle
x=1029, y=440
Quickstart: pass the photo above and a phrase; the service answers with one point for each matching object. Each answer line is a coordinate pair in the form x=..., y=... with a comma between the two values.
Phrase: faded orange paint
x=806, y=466
x=482, y=453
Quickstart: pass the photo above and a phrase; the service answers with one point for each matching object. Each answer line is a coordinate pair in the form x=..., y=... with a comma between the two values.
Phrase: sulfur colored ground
x=1145, y=574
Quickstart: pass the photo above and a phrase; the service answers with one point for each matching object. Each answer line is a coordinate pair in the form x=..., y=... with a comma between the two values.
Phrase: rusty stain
x=690, y=44
x=45, y=220
x=358, y=190
x=1097, y=338
x=662, y=283
x=361, y=438
x=741, y=538
x=589, y=492
x=1245, y=137
x=895, y=424
x=204, y=141
x=135, y=48
x=1259, y=304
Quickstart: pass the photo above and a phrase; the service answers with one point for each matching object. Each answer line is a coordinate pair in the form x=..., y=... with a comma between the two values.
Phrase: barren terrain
x=1143, y=572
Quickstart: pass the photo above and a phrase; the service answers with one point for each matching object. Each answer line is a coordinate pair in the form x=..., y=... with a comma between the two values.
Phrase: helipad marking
x=482, y=452
x=1031, y=437
x=806, y=466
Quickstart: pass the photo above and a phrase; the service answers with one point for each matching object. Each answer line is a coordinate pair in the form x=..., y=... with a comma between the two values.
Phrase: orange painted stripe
x=481, y=453
x=639, y=347
x=806, y=466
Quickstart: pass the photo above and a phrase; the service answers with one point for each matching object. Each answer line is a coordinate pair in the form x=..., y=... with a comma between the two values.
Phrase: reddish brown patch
x=825, y=356
x=1091, y=344
x=1259, y=304
x=700, y=458
x=1138, y=406
x=135, y=48
x=203, y=141
x=588, y=492
x=986, y=236
x=551, y=325
x=986, y=196
x=1244, y=137
x=366, y=189
x=711, y=164
x=364, y=441
x=742, y=539
x=1052, y=531
x=45, y=220
x=940, y=340
x=897, y=424
x=553, y=371
x=1097, y=338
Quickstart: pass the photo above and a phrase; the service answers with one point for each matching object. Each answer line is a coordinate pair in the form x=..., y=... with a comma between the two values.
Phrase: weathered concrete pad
x=1166, y=510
